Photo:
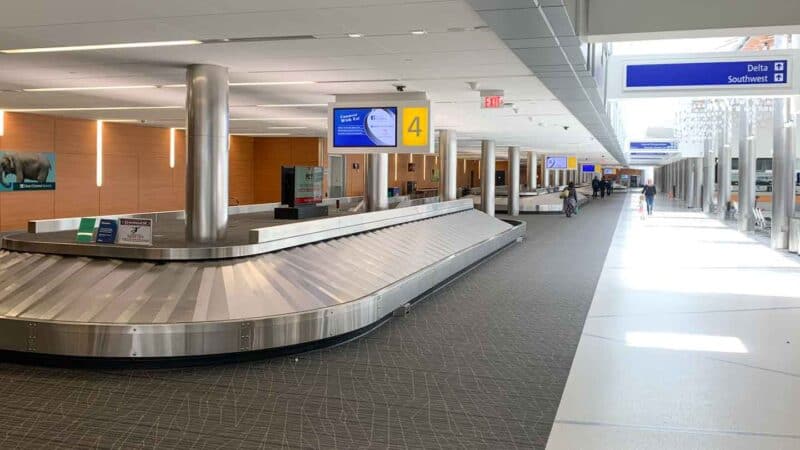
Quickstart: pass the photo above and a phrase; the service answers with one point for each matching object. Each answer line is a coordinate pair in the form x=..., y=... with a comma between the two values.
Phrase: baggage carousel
x=274, y=285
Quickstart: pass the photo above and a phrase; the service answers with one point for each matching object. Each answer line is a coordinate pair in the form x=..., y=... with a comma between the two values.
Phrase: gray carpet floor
x=481, y=363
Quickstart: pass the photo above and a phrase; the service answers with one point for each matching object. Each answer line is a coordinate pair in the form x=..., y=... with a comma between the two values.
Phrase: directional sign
x=654, y=145
x=758, y=73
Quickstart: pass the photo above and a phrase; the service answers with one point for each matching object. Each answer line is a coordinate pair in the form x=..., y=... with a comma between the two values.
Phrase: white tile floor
x=692, y=341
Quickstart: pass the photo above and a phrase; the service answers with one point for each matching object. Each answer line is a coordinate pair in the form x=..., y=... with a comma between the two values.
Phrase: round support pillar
x=448, y=151
x=724, y=169
x=487, y=177
x=513, y=182
x=532, y=175
x=747, y=173
x=206, y=153
x=376, y=188
x=783, y=172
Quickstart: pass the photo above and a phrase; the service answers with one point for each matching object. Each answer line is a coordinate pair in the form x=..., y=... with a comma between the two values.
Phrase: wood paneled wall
x=136, y=172
x=270, y=154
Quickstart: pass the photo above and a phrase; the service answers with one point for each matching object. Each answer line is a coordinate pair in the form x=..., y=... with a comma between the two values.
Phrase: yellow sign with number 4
x=415, y=127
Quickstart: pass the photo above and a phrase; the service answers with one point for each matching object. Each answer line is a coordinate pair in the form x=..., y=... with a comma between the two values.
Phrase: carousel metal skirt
x=115, y=308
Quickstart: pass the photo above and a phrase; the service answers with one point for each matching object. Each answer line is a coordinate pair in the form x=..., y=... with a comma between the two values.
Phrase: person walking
x=570, y=196
x=609, y=187
x=602, y=186
x=649, y=192
x=595, y=187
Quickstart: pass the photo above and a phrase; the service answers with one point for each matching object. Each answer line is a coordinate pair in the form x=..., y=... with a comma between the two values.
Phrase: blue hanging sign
x=654, y=145
x=759, y=73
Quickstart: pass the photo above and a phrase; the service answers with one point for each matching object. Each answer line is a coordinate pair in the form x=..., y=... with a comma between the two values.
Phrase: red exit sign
x=493, y=101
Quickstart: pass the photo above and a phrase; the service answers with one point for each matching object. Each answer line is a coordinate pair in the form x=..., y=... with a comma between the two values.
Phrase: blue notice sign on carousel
x=758, y=73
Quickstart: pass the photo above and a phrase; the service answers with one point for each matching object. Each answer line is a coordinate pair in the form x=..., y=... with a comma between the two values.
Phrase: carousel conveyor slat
x=73, y=305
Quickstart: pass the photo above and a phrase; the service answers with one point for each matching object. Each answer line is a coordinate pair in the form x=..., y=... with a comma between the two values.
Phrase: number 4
x=413, y=127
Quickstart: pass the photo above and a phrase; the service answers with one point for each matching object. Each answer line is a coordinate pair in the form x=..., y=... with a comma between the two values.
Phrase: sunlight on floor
x=680, y=341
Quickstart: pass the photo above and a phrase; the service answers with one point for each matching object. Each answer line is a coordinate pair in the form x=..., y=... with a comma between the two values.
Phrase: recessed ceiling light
x=418, y=32
x=355, y=35
x=77, y=48
x=89, y=88
x=287, y=128
x=270, y=83
x=295, y=105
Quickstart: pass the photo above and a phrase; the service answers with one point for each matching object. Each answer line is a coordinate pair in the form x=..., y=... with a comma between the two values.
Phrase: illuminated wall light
x=2, y=122
x=172, y=148
x=410, y=157
x=99, y=150
x=424, y=166
x=465, y=165
x=395, y=167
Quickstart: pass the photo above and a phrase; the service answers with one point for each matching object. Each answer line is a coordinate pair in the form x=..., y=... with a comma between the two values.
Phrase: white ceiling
x=457, y=48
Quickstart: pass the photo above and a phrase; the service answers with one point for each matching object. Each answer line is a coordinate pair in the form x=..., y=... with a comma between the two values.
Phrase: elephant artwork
x=30, y=170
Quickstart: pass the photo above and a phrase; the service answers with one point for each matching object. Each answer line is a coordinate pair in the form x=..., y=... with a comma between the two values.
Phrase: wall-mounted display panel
x=380, y=123
x=27, y=171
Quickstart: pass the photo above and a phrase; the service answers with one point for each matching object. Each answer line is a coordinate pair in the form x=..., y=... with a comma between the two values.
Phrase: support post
x=532, y=178
x=487, y=177
x=708, y=176
x=783, y=172
x=376, y=188
x=206, y=153
x=724, y=168
x=747, y=173
x=513, y=186
x=448, y=153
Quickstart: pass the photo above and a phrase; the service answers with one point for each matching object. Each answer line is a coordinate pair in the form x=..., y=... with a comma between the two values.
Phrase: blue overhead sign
x=759, y=73
x=654, y=145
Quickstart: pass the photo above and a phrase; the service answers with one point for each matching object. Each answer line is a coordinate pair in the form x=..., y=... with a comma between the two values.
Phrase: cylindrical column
x=690, y=182
x=532, y=178
x=376, y=187
x=724, y=168
x=747, y=173
x=698, y=183
x=513, y=181
x=487, y=177
x=546, y=174
x=206, y=153
x=448, y=153
x=708, y=176
x=783, y=172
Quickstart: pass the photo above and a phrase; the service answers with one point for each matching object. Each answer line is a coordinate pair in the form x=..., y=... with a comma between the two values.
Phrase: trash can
x=794, y=234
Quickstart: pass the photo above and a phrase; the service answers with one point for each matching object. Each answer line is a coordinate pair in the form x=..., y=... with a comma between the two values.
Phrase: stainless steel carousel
x=270, y=285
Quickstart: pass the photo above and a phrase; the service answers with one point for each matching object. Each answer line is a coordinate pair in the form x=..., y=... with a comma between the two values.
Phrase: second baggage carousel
x=282, y=286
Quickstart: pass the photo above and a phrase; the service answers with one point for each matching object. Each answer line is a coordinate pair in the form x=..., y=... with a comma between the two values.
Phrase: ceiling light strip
x=295, y=105
x=76, y=48
x=99, y=108
x=89, y=88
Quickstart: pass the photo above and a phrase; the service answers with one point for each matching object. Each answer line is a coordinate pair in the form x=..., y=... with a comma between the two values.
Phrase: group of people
x=603, y=187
